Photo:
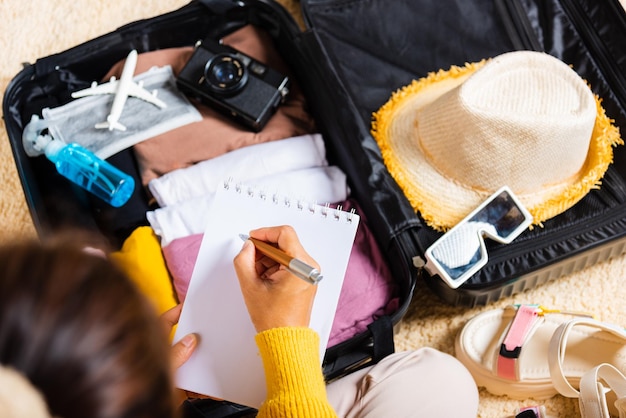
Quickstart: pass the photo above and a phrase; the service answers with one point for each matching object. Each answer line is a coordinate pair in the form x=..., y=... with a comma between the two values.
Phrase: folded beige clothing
x=215, y=134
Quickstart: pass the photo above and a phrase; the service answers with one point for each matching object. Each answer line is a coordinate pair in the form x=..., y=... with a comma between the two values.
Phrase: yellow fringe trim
x=604, y=137
x=382, y=119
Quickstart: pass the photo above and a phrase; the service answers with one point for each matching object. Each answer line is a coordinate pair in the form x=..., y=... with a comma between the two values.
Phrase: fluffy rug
x=33, y=29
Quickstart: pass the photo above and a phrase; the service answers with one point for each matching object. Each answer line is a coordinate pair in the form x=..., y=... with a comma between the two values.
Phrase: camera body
x=233, y=83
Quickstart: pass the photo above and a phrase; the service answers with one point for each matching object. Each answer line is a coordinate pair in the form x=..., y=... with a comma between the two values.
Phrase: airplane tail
x=110, y=126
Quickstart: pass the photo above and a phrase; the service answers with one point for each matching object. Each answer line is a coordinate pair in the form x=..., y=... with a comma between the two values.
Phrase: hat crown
x=524, y=120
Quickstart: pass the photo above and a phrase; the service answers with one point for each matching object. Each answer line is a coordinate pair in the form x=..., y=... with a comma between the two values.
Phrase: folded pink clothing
x=180, y=256
x=216, y=134
x=368, y=290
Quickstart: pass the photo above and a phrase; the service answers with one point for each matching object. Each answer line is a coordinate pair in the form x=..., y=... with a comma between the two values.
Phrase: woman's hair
x=83, y=335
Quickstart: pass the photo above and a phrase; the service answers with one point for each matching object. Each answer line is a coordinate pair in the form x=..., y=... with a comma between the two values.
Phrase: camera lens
x=225, y=73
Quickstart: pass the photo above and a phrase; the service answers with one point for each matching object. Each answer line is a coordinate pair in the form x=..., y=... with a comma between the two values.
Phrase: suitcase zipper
x=517, y=25
x=522, y=35
x=613, y=220
x=123, y=34
x=589, y=36
x=9, y=114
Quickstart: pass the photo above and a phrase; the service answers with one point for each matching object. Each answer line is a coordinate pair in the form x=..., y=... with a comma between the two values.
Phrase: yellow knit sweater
x=295, y=383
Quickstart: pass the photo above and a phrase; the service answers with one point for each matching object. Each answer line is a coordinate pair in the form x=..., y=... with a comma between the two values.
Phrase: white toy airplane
x=122, y=88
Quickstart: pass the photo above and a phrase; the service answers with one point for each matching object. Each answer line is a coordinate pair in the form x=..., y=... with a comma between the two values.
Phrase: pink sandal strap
x=511, y=347
x=538, y=411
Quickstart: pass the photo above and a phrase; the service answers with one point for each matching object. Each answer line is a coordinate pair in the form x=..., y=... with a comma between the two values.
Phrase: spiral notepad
x=227, y=364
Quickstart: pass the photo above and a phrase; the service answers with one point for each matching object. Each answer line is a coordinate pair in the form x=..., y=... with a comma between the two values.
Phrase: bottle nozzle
x=33, y=141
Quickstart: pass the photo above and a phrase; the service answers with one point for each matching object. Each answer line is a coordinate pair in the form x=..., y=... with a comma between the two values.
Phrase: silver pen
x=297, y=267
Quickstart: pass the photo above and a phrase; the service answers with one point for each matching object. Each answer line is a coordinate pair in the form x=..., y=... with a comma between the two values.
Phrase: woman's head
x=82, y=334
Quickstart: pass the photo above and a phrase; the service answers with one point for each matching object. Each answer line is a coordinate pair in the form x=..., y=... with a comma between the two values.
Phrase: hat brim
x=443, y=202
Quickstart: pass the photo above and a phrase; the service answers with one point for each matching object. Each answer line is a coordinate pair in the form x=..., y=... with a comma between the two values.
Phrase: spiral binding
x=300, y=204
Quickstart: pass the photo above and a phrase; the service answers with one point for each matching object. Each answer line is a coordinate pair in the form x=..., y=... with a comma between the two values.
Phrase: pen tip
x=316, y=276
x=244, y=237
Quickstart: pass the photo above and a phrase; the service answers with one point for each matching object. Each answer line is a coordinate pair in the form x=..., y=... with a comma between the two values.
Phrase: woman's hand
x=273, y=295
x=182, y=350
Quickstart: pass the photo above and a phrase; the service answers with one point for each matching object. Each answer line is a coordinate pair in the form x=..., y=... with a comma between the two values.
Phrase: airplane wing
x=138, y=91
x=110, y=87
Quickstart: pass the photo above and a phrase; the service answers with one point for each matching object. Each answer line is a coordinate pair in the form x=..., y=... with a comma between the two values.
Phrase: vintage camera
x=233, y=83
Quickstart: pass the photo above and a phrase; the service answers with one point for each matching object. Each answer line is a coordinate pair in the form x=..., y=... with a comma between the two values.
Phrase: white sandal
x=611, y=349
x=528, y=351
x=593, y=393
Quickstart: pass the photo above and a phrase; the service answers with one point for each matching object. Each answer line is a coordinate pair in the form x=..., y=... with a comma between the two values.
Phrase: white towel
x=315, y=185
x=243, y=164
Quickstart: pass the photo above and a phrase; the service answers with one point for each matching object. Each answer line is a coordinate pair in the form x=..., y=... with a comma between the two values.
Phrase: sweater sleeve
x=293, y=374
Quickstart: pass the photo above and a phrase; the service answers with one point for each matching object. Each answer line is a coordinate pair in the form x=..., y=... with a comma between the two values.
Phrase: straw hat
x=522, y=119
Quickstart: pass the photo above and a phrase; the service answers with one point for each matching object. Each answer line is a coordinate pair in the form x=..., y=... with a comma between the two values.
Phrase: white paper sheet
x=226, y=363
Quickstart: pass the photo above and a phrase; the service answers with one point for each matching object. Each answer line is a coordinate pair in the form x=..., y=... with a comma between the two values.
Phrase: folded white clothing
x=312, y=185
x=243, y=164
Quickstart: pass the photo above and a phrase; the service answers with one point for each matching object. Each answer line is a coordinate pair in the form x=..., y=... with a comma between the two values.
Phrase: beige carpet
x=36, y=28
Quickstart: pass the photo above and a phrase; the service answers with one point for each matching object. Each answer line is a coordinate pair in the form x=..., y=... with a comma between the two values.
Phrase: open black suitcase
x=57, y=204
x=348, y=60
x=388, y=45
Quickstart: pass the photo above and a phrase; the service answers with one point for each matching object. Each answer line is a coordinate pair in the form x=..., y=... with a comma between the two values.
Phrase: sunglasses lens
x=503, y=213
x=460, y=249
x=461, y=252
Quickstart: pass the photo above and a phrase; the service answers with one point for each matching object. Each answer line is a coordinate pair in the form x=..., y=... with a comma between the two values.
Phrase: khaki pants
x=420, y=383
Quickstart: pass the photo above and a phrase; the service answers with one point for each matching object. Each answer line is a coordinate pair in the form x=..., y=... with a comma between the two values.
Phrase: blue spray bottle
x=79, y=165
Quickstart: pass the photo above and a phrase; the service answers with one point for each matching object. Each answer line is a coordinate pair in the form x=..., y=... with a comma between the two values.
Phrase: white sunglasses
x=461, y=252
